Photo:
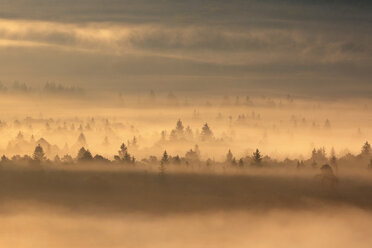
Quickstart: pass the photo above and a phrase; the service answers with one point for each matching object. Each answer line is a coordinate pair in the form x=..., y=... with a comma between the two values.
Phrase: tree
x=233, y=162
x=178, y=132
x=229, y=157
x=179, y=126
x=188, y=132
x=206, y=132
x=124, y=156
x=165, y=158
x=38, y=154
x=123, y=151
x=81, y=139
x=127, y=158
x=84, y=155
x=193, y=155
x=177, y=160
x=257, y=157
x=81, y=153
x=366, y=149
x=4, y=159
x=100, y=159
x=57, y=160
x=67, y=159
x=20, y=136
x=326, y=176
x=300, y=164
x=319, y=155
x=241, y=163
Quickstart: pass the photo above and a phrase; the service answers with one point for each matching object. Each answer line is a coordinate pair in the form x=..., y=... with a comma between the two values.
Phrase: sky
x=305, y=47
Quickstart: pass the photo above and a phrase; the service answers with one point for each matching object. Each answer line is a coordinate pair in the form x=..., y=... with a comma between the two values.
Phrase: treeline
x=49, y=87
x=178, y=134
x=170, y=99
x=192, y=157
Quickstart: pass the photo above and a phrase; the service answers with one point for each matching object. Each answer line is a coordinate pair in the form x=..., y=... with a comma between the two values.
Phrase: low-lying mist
x=110, y=191
x=82, y=207
x=116, y=170
x=280, y=126
x=340, y=227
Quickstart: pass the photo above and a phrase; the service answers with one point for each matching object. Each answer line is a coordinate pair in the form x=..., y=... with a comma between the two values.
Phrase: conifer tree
x=38, y=154
x=257, y=157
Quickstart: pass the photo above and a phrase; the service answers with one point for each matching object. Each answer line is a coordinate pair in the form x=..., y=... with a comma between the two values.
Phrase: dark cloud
x=78, y=40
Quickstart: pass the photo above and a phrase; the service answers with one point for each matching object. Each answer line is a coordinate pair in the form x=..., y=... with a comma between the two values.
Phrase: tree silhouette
x=57, y=159
x=366, y=149
x=229, y=157
x=123, y=151
x=327, y=178
x=38, y=154
x=206, y=132
x=84, y=155
x=193, y=155
x=300, y=164
x=100, y=159
x=82, y=139
x=67, y=159
x=177, y=160
x=19, y=136
x=241, y=163
x=164, y=160
x=319, y=155
x=179, y=126
x=124, y=156
x=178, y=132
x=257, y=157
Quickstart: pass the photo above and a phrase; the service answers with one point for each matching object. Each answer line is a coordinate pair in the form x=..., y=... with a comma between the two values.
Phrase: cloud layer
x=252, y=44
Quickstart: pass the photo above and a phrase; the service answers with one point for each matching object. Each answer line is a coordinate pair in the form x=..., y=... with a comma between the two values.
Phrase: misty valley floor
x=336, y=227
x=108, y=191
x=106, y=208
